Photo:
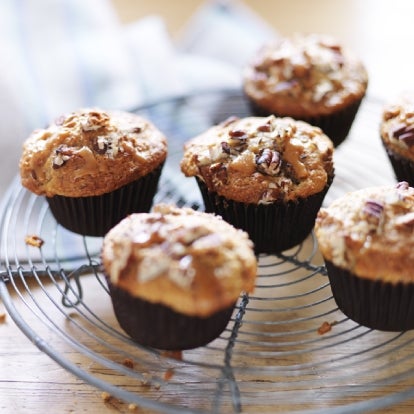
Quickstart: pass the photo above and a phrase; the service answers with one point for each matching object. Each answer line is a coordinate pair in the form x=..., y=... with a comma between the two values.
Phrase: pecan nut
x=373, y=211
x=62, y=154
x=404, y=133
x=269, y=162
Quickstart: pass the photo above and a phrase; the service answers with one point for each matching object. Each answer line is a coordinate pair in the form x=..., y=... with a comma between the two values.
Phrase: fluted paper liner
x=272, y=227
x=96, y=215
x=373, y=303
x=158, y=326
x=403, y=167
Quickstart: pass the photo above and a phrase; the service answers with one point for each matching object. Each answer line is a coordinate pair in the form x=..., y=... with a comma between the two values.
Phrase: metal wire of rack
x=273, y=352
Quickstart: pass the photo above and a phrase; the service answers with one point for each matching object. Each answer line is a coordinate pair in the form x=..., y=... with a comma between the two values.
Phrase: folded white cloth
x=58, y=55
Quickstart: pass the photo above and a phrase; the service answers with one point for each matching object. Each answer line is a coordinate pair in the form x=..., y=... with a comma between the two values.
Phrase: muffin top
x=305, y=75
x=192, y=262
x=397, y=126
x=90, y=152
x=370, y=232
x=261, y=160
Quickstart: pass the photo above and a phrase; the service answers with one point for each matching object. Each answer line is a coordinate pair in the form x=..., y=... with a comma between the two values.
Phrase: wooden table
x=380, y=31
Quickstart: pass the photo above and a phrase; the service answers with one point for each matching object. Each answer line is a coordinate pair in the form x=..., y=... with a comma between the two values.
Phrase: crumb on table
x=178, y=355
x=168, y=374
x=106, y=396
x=129, y=363
x=2, y=317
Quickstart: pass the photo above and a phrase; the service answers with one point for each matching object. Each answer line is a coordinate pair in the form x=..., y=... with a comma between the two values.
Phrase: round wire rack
x=287, y=347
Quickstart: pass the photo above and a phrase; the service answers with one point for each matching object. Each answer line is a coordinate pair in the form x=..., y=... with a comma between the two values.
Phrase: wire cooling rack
x=287, y=347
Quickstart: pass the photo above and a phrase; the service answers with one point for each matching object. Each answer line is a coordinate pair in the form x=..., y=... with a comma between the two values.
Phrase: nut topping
x=403, y=185
x=219, y=170
x=391, y=112
x=268, y=162
x=373, y=209
x=100, y=145
x=404, y=133
x=62, y=154
x=225, y=147
x=238, y=140
x=267, y=127
x=93, y=120
x=237, y=133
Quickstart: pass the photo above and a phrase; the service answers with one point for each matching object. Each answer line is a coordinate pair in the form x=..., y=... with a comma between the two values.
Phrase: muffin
x=308, y=77
x=265, y=175
x=94, y=167
x=397, y=135
x=366, y=239
x=174, y=275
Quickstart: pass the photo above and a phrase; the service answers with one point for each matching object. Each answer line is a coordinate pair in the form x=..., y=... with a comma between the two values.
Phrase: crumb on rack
x=325, y=327
x=132, y=407
x=33, y=240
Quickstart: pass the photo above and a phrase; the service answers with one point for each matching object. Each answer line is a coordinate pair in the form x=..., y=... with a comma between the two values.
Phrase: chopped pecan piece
x=402, y=185
x=269, y=162
x=219, y=170
x=404, y=133
x=100, y=145
x=267, y=127
x=373, y=209
x=237, y=133
x=91, y=121
x=225, y=147
x=62, y=154
x=238, y=140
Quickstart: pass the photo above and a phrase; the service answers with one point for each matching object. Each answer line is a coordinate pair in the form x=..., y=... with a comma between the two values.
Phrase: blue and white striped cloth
x=58, y=55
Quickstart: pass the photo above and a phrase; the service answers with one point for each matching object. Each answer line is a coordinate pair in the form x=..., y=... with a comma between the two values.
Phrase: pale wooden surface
x=380, y=31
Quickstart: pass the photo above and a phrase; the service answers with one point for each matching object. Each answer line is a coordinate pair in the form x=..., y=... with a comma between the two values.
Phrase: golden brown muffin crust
x=193, y=262
x=370, y=232
x=261, y=160
x=90, y=152
x=397, y=127
x=304, y=76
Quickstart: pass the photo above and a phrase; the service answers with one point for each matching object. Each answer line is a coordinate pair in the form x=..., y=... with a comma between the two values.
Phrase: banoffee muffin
x=265, y=175
x=367, y=240
x=397, y=135
x=175, y=274
x=94, y=167
x=311, y=77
